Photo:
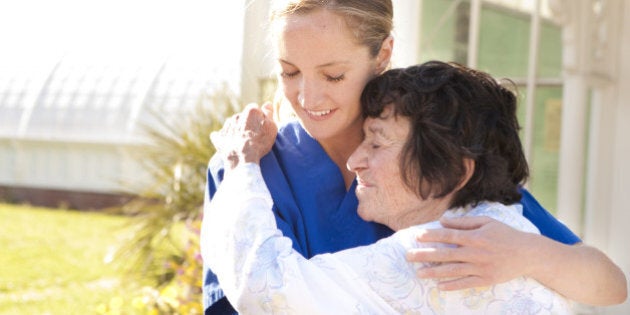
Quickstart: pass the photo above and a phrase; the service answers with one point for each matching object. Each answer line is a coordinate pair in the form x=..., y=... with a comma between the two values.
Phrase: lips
x=319, y=114
x=362, y=184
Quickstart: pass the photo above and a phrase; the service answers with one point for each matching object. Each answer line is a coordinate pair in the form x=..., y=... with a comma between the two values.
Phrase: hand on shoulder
x=247, y=136
x=486, y=252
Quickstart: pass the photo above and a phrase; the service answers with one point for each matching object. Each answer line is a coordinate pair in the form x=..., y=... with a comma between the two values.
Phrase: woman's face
x=383, y=196
x=323, y=72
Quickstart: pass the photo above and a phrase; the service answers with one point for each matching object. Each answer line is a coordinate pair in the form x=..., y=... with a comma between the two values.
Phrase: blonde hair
x=282, y=112
x=371, y=21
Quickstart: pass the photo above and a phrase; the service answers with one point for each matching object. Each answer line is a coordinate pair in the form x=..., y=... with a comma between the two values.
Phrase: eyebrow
x=328, y=64
x=378, y=130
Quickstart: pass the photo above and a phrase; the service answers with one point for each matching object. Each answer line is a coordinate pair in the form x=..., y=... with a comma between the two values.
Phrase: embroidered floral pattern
x=261, y=273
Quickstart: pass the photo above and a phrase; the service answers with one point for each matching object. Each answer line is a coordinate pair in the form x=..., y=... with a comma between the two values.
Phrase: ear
x=384, y=56
x=469, y=170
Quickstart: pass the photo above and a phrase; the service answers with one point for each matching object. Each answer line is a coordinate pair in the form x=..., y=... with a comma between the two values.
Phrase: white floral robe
x=260, y=273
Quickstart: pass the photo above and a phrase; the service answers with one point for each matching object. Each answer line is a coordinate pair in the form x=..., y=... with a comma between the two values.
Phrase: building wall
x=617, y=231
x=66, y=174
x=594, y=172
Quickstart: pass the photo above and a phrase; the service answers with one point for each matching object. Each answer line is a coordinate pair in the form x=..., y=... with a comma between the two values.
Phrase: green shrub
x=162, y=244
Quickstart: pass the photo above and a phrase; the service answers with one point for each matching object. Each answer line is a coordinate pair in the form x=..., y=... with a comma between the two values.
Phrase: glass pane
x=438, y=29
x=503, y=41
x=543, y=163
x=549, y=50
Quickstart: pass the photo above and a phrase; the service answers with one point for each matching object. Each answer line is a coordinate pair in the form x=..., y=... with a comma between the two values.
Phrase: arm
x=257, y=267
x=255, y=264
x=214, y=300
x=261, y=273
x=490, y=252
x=588, y=275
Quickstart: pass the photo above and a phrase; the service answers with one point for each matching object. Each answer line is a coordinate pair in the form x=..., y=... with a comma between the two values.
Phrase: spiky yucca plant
x=168, y=208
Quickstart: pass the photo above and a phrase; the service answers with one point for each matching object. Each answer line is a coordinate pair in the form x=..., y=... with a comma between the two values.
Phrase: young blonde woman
x=327, y=51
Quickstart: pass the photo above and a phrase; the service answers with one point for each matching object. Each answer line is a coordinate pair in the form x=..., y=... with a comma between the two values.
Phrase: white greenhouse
x=69, y=125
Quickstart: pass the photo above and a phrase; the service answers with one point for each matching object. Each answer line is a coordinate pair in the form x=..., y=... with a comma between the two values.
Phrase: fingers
x=255, y=119
x=267, y=109
x=249, y=107
x=456, y=276
x=252, y=117
x=245, y=137
x=449, y=236
x=446, y=271
x=429, y=254
x=458, y=231
x=443, y=255
x=462, y=283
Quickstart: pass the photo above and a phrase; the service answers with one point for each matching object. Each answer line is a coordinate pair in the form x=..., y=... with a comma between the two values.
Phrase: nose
x=357, y=160
x=310, y=94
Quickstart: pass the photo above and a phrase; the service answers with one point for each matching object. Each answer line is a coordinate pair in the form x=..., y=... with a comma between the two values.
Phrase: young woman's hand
x=489, y=252
x=247, y=136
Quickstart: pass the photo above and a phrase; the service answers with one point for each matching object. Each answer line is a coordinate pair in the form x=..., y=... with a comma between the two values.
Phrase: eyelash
x=335, y=79
x=328, y=78
x=289, y=75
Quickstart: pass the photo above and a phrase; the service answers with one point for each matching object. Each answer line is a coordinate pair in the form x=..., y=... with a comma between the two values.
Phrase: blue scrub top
x=314, y=210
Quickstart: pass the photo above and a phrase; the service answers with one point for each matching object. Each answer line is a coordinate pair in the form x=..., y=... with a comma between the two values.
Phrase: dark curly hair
x=455, y=113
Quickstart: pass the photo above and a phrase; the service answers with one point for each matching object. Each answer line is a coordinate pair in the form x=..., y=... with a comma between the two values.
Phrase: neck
x=431, y=210
x=340, y=148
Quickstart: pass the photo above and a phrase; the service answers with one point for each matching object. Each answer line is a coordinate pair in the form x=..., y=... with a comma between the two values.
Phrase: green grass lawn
x=54, y=261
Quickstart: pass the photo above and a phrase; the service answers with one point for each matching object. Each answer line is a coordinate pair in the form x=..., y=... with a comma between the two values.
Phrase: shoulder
x=511, y=215
x=292, y=136
x=290, y=130
x=287, y=135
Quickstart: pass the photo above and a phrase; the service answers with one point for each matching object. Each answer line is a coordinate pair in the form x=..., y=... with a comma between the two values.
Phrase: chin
x=364, y=215
x=318, y=130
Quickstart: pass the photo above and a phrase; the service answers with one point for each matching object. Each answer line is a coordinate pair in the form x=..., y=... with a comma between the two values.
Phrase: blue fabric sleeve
x=548, y=225
x=221, y=307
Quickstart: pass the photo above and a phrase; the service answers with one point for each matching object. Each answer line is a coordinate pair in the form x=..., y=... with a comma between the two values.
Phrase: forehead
x=319, y=34
x=321, y=20
x=388, y=125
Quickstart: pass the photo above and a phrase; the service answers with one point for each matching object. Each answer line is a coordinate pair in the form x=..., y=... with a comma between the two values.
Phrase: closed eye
x=335, y=79
x=289, y=75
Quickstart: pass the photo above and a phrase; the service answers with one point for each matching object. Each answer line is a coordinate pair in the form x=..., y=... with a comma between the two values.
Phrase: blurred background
x=106, y=107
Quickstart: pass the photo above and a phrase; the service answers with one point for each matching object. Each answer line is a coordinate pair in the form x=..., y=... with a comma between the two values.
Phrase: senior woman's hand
x=247, y=136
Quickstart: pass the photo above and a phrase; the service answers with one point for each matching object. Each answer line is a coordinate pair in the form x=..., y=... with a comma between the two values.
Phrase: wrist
x=251, y=158
x=541, y=246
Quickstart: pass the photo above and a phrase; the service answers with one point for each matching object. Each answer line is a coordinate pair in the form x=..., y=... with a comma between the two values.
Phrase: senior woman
x=441, y=140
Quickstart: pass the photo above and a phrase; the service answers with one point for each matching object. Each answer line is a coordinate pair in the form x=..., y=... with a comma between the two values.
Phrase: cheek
x=347, y=99
x=351, y=92
x=290, y=91
x=393, y=184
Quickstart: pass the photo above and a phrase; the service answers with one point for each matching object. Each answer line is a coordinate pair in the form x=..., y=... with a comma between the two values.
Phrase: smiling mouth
x=361, y=183
x=318, y=114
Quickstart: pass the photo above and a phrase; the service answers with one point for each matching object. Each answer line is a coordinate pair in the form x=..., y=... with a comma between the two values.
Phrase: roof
x=89, y=96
